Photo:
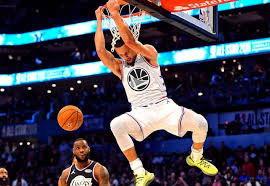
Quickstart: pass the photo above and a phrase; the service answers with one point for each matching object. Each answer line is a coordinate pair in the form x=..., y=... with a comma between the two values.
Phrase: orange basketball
x=70, y=118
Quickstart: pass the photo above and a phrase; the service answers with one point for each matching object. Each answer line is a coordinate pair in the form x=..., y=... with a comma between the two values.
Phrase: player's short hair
x=119, y=43
x=79, y=139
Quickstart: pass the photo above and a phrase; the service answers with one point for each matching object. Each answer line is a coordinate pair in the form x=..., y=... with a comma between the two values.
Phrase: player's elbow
x=154, y=54
x=100, y=50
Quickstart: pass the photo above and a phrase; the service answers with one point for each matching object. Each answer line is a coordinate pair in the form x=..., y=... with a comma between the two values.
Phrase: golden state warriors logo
x=81, y=181
x=138, y=79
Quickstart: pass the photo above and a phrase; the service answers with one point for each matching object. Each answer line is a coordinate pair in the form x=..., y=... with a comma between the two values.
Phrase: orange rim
x=132, y=15
x=120, y=2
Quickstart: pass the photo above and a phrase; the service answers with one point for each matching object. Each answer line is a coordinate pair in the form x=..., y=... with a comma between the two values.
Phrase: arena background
x=45, y=64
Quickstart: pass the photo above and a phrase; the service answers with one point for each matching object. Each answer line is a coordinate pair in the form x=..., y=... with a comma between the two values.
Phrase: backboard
x=203, y=26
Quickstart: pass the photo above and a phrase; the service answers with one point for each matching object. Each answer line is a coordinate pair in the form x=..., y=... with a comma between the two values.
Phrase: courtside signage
x=206, y=53
x=184, y=5
x=90, y=26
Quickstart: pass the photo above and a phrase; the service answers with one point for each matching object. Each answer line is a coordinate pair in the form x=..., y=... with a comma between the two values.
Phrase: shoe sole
x=200, y=169
x=150, y=181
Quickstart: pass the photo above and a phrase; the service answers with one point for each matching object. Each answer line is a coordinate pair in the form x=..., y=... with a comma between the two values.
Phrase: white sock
x=196, y=154
x=137, y=166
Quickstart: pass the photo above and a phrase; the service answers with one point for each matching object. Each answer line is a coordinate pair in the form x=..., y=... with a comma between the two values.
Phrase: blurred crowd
x=191, y=86
x=42, y=164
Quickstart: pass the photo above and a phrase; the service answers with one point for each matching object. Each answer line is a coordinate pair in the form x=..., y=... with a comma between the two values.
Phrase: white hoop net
x=133, y=17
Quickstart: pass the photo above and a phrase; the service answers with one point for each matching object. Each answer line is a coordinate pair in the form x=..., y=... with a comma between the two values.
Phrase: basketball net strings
x=133, y=22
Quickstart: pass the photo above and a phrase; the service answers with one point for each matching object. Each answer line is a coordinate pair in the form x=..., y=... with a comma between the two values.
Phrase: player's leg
x=198, y=125
x=179, y=121
x=122, y=128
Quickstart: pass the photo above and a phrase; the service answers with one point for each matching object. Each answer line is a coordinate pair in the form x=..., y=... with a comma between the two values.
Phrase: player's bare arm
x=105, y=56
x=102, y=174
x=63, y=178
x=147, y=51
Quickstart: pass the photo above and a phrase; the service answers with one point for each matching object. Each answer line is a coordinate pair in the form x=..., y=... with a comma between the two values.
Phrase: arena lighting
x=79, y=82
x=49, y=91
x=38, y=61
x=53, y=85
x=29, y=88
x=71, y=88
x=222, y=69
x=95, y=86
x=2, y=90
x=200, y=94
x=90, y=26
x=239, y=66
x=206, y=53
x=19, y=58
x=10, y=57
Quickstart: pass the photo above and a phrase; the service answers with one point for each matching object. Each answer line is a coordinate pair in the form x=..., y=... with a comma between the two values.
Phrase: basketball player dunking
x=84, y=171
x=151, y=109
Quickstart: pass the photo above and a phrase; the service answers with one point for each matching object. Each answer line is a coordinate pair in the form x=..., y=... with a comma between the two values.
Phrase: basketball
x=70, y=118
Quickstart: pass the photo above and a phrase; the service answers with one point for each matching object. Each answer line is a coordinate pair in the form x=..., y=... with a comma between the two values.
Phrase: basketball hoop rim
x=121, y=2
x=131, y=15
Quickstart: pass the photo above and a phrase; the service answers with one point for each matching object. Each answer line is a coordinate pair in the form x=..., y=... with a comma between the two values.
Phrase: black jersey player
x=84, y=171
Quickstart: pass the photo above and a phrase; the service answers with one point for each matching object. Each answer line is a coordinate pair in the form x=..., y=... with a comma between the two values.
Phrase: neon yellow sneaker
x=143, y=179
x=203, y=164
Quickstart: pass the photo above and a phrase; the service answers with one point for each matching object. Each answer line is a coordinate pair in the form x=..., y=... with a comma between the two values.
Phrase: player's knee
x=202, y=123
x=116, y=126
x=139, y=138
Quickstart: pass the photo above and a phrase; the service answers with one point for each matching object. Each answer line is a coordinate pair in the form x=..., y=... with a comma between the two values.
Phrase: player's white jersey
x=143, y=82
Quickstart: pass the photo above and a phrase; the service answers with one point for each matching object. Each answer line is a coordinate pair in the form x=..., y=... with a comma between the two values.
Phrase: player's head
x=3, y=176
x=81, y=150
x=124, y=51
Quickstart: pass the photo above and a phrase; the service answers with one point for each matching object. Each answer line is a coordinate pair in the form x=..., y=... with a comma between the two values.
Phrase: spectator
x=19, y=182
x=228, y=177
x=171, y=178
x=234, y=167
x=265, y=151
x=157, y=181
x=217, y=181
x=252, y=152
x=249, y=167
x=113, y=180
x=253, y=182
x=260, y=177
x=41, y=166
x=268, y=177
x=206, y=180
x=180, y=182
x=262, y=167
x=211, y=152
x=4, y=179
x=244, y=177
x=157, y=159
